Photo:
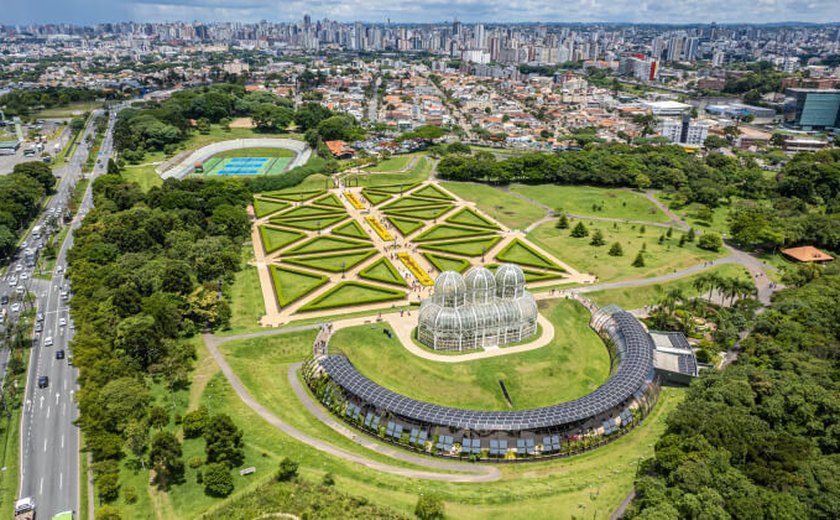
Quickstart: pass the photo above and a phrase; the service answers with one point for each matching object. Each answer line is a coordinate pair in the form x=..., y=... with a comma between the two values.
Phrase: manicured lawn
x=468, y=217
x=405, y=226
x=310, y=211
x=383, y=271
x=246, y=303
x=447, y=263
x=471, y=247
x=594, y=202
x=329, y=200
x=72, y=109
x=517, y=252
x=319, y=222
x=421, y=213
x=257, y=152
x=326, y=244
x=334, y=263
x=433, y=192
x=573, y=364
x=690, y=213
x=263, y=207
x=420, y=172
x=298, y=195
x=144, y=175
x=410, y=202
x=275, y=238
x=638, y=297
x=352, y=293
x=375, y=197
x=352, y=229
x=592, y=484
x=659, y=258
x=445, y=231
x=291, y=284
x=506, y=208
x=392, y=165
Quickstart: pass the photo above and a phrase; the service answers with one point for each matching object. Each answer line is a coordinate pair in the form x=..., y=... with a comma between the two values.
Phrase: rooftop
x=807, y=254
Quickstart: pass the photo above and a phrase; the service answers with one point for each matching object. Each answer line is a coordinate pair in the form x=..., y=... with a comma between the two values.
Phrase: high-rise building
x=814, y=109
x=683, y=131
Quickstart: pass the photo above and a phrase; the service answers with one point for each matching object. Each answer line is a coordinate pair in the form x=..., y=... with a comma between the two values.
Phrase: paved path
x=470, y=473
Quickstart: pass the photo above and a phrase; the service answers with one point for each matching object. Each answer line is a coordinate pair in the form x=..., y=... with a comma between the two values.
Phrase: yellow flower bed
x=379, y=228
x=354, y=200
x=418, y=272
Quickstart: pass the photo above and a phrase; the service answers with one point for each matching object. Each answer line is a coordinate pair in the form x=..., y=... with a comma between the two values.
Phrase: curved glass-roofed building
x=478, y=310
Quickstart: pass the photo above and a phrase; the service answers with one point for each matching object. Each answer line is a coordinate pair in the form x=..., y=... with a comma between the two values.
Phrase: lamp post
x=343, y=264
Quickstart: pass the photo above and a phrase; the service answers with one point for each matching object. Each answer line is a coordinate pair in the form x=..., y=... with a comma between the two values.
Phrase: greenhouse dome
x=478, y=310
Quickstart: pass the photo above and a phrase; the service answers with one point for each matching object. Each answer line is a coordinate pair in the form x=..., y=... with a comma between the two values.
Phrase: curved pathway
x=470, y=473
x=185, y=166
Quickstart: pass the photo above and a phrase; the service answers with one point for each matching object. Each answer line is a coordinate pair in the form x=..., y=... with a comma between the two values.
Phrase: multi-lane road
x=49, y=442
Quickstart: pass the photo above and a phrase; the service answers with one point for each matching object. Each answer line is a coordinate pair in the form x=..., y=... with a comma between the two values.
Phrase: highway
x=50, y=450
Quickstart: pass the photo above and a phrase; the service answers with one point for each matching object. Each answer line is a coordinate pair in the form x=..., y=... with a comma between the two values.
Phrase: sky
x=488, y=11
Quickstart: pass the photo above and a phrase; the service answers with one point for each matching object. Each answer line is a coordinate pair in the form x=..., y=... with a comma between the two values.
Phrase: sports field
x=245, y=165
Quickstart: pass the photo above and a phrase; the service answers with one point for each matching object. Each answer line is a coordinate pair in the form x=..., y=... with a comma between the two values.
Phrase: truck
x=25, y=509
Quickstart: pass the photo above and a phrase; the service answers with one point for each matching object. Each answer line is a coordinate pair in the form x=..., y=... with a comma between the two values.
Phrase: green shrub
x=218, y=481
x=288, y=470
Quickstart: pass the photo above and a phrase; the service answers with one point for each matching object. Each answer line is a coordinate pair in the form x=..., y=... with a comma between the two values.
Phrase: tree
x=107, y=512
x=642, y=181
x=158, y=417
x=194, y=422
x=778, y=139
x=597, y=238
x=218, y=481
x=271, y=118
x=691, y=235
x=580, y=231
x=328, y=480
x=137, y=439
x=38, y=171
x=562, y=222
x=165, y=459
x=616, y=250
x=710, y=241
x=108, y=485
x=224, y=441
x=639, y=261
x=714, y=142
x=429, y=507
x=288, y=470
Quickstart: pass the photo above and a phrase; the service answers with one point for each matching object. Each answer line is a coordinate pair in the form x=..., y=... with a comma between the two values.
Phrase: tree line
x=760, y=439
x=21, y=102
x=21, y=193
x=148, y=271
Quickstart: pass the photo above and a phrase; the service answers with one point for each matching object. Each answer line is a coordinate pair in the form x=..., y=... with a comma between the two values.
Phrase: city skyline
x=468, y=11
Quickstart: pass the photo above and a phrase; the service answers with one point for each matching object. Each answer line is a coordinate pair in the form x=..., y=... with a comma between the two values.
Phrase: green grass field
x=329, y=200
x=433, y=192
x=263, y=207
x=394, y=164
x=352, y=229
x=334, y=263
x=518, y=252
x=421, y=213
x=447, y=231
x=406, y=226
x=326, y=244
x=143, y=174
x=691, y=213
x=411, y=202
x=506, y=208
x=383, y=271
x=351, y=293
x=291, y=284
x=275, y=238
x=447, y=263
x=257, y=152
x=639, y=296
x=375, y=197
x=660, y=259
x=573, y=364
x=420, y=172
x=469, y=217
x=246, y=306
x=468, y=247
x=70, y=110
x=583, y=201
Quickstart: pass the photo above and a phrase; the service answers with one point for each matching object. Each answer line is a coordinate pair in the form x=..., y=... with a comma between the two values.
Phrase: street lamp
x=343, y=264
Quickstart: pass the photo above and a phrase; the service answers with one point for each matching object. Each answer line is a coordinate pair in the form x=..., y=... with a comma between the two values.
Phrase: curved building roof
x=636, y=364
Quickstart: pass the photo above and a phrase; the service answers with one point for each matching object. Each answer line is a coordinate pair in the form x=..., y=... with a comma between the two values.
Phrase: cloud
x=488, y=11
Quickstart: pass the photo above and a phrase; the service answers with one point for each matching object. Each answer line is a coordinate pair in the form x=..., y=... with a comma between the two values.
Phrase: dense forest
x=21, y=193
x=162, y=126
x=801, y=203
x=22, y=102
x=148, y=271
x=760, y=439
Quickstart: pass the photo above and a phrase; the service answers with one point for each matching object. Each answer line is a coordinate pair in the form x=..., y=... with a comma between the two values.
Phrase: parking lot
x=47, y=127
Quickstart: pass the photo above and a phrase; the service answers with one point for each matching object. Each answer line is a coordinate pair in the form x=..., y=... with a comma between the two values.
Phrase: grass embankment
x=692, y=214
x=10, y=436
x=639, y=296
x=503, y=207
x=257, y=152
x=394, y=164
x=418, y=173
x=72, y=109
x=573, y=364
x=660, y=258
x=593, y=202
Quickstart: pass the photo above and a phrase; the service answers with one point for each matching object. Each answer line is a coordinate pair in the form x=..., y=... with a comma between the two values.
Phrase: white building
x=683, y=131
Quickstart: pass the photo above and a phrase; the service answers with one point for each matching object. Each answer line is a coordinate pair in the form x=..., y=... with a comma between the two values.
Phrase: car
x=62, y=322
x=24, y=276
x=15, y=307
x=18, y=268
x=4, y=299
x=59, y=354
x=12, y=281
x=48, y=342
x=20, y=290
x=58, y=269
x=39, y=327
x=40, y=317
x=43, y=381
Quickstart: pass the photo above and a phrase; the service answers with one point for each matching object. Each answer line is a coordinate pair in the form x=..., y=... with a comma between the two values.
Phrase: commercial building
x=666, y=108
x=814, y=109
x=683, y=131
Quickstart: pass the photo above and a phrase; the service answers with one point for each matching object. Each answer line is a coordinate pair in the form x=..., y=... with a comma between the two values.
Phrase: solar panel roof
x=636, y=363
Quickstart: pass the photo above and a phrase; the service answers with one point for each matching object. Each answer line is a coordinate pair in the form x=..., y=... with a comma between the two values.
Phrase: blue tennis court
x=245, y=165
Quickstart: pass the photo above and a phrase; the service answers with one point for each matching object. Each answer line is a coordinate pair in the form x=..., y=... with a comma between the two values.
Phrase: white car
x=12, y=281
x=18, y=268
x=15, y=307
x=48, y=342
x=62, y=322
x=58, y=269
x=24, y=276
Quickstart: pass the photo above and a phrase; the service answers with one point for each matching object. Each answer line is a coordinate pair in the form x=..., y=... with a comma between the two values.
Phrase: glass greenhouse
x=478, y=310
